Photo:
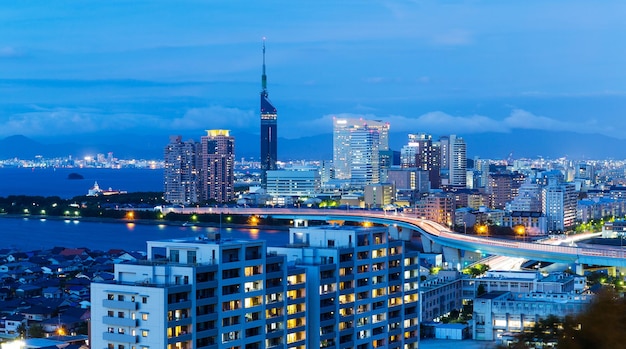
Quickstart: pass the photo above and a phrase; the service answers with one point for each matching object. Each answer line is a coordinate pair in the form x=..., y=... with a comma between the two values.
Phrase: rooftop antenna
x=264, y=77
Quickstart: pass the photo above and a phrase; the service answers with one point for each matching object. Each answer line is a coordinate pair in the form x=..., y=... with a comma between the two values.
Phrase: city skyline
x=466, y=68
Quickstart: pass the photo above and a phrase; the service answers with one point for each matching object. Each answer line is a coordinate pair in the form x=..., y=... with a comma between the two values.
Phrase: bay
x=28, y=234
x=55, y=182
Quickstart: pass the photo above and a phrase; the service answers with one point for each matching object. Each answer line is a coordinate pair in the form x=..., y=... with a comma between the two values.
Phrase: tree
x=36, y=331
x=601, y=325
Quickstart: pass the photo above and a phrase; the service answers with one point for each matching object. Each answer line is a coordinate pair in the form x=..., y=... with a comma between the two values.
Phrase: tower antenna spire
x=264, y=77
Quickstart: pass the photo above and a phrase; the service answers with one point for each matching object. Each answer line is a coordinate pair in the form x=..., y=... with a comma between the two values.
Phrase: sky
x=116, y=68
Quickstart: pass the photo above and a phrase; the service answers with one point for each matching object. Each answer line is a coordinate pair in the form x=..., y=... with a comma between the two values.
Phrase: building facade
x=181, y=178
x=371, y=137
x=453, y=161
x=420, y=153
x=202, y=293
x=515, y=300
x=559, y=203
x=379, y=195
x=503, y=187
x=218, y=166
x=362, y=287
x=438, y=207
x=293, y=183
x=330, y=287
x=364, y=157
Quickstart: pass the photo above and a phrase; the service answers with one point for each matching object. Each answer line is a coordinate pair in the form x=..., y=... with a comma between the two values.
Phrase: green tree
x=602, y=325
x=36, y=331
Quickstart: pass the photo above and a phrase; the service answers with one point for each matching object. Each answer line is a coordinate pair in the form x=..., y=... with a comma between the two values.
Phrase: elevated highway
x=438, y=234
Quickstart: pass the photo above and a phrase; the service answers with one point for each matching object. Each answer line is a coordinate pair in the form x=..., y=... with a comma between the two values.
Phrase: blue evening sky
x=107, y=68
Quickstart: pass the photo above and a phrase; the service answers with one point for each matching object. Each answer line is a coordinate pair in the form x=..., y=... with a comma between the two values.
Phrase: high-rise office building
x=503, y=187
x=482, y=166
x=528, y=198
x=364, y=157
x=356, y=147
x=559, y=205
x=269, y=135
x=420, y=153
x=218, y=166
x=181, y=180
x=453, y=155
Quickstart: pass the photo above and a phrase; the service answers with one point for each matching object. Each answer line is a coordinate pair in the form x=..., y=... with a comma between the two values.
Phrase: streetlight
x=521, y=231
x=482, y=229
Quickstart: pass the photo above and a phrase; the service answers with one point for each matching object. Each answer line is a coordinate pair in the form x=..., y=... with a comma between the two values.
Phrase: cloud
x=8, y=52
x=216, y=117
x=453, y=38
x=440, y=123
x=62, y=121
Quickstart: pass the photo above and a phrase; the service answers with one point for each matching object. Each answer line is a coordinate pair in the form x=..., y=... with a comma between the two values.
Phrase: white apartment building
x=362, y=287
x=515, y=300
x=440, y=294
x=559, y=203
x=530, y=281
x=500, y=312
x=330, y=287
x=528, y=198
x=201, y=293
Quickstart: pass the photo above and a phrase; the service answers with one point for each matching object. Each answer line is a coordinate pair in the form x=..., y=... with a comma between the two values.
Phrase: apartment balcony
x=181, y=304
x=206, y=284
x=182, y=337
x=396, y=331
x=120, y=322
x=274, y=274
x=206, y=301
x=119, y=337
x=275, y=346
x=180, y=322
x=207, y=333
x=206, y=317
x=112, y=304
x=327, y=321
x=275, y=334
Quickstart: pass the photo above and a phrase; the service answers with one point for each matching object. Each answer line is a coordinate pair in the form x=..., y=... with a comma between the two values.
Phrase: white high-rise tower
x=356, y=141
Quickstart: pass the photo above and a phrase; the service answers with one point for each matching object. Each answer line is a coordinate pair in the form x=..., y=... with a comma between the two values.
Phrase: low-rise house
x=10, y=324
x=52, y=292
x=28, y=291
x=78, y=290
x=38, y=313
x=16, y=257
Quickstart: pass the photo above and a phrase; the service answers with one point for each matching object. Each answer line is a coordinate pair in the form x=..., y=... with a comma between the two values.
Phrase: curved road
x=438, y=234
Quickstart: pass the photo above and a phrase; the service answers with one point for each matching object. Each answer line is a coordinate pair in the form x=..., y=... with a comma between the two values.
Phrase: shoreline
x=146, y=222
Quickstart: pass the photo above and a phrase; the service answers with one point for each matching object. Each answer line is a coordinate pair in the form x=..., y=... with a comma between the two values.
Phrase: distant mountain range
x=521, y=144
